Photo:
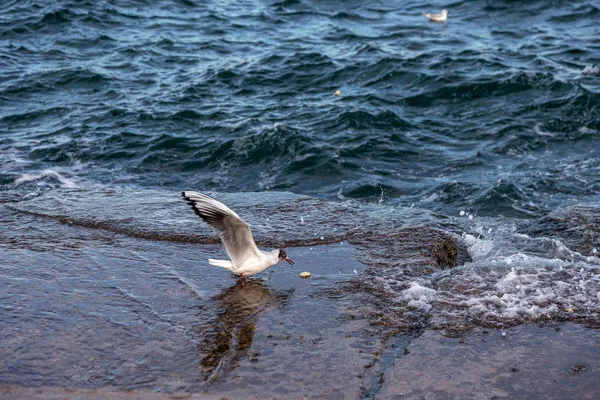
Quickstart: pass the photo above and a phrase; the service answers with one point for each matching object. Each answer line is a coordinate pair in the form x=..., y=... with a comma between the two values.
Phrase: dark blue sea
x=496, y=111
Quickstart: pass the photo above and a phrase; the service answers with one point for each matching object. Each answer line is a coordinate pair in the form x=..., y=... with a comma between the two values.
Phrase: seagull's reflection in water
x=227, y=338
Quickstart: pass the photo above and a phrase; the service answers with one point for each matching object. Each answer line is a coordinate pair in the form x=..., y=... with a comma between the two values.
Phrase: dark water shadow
x=227, y=338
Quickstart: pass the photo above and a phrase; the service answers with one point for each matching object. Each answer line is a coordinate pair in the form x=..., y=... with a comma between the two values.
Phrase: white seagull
x=441, y=17
x=246, y=258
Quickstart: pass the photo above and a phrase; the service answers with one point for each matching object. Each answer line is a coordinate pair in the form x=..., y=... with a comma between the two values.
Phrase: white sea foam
x=506, y=281
x=45, y=177
x=418, y=296
x=340, y=195
x=535, y=288
x=512, y=277
x=538, y=130
x=477, y=248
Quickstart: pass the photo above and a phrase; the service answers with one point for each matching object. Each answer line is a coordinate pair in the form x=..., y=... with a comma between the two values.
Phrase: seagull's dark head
x=284, y=256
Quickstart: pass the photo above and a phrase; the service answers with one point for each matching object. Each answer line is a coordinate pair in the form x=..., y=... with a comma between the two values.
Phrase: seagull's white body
x=441, y=17
x=251, y=265
x=245, y=259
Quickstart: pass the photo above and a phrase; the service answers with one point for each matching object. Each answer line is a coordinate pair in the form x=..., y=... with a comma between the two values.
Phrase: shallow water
x=138, y=314
x=501, y=275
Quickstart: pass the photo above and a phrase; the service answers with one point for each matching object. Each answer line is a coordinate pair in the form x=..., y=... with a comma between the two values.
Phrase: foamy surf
x=45, y=178
x=505, y=284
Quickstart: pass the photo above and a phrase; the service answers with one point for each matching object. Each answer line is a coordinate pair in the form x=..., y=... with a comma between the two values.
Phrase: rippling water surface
x=496, y=111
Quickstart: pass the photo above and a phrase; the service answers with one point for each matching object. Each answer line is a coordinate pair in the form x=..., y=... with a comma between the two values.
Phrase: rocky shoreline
x=107, y=293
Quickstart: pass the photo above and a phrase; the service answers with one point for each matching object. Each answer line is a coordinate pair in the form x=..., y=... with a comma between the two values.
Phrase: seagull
x=441, y=17
x=245, y=259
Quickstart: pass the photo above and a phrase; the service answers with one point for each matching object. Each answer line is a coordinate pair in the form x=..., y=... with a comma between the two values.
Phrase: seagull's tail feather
x=221, y=263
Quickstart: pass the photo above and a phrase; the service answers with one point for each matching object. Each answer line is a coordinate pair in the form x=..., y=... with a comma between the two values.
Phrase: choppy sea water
x=496, y=110
x=477, y=127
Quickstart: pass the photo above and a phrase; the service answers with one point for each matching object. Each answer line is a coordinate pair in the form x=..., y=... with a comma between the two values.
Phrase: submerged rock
x=417, y=250
x=277, y=220
x=417, y=273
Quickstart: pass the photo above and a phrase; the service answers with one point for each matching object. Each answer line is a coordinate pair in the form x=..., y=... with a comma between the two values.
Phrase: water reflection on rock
x=227, y=338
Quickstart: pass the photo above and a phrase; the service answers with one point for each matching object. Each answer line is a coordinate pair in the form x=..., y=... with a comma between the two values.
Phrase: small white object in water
x=302, y=219
x=337, y=93
x=594, y=251
x=441, y=17
x=461, y=213
x=304, y=274
x=470, y=216
x=277, y=125
x=503, y=333
x=355, y=272
x=322, y=237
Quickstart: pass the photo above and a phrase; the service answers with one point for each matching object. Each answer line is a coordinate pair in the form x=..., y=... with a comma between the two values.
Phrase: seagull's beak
x=289, y=260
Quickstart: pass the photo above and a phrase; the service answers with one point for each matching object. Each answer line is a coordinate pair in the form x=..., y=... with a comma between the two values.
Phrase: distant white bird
x=441, y=17
x=246, y=258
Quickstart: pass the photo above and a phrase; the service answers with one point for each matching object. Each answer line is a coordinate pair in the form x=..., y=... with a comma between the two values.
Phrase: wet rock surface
x=132, y=305
x=524, y=362
x=116, y=311
x=54, y=393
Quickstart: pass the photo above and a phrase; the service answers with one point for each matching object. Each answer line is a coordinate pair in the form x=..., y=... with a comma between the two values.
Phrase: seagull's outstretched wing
x=235, y=233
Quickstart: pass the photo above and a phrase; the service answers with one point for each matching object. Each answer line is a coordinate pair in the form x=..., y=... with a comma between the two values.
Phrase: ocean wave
x=488, y=86
x=363, y=120
x=46, y=178
x=58, y=17
x=57, y=112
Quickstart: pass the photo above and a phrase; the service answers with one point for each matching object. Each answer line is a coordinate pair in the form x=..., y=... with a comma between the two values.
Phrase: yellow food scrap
x=570, y=309
x=337, y=93
x=304, y=274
